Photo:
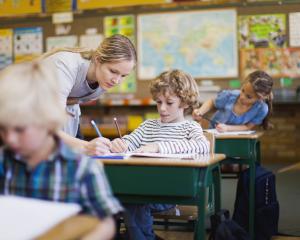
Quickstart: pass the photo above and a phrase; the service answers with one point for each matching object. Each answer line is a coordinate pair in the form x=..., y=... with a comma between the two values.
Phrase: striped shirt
x=182, y=137
x=65, y=177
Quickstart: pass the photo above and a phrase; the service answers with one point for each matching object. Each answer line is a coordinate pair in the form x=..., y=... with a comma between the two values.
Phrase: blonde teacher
x=86, y=74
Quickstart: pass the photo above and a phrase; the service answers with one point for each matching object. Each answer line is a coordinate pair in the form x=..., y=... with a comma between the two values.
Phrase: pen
x=117, y=126
x=96, y=128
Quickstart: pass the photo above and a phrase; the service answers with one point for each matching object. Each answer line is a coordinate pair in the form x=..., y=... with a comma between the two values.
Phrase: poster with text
x=61, y=42
x=124, y=25
x=262, y=31
x=28, y=43
x=90, y=41
x=6, y=47
x=294, y=23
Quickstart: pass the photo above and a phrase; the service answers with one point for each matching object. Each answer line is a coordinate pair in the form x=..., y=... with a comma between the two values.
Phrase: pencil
x=96, y=128
x=117, y=126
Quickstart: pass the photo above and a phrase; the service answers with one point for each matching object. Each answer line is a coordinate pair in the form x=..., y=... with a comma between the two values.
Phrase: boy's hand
x=148, y=148
x=222, y=127
x=98, y=146
x=197, y=115
x=118, y=145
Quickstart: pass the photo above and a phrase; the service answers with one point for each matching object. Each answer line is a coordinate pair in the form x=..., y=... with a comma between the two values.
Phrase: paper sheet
x=215, y=132
x=150, y=155
x=26, y=218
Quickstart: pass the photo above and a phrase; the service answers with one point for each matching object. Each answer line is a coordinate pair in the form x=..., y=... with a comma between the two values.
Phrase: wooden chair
x=183, y=215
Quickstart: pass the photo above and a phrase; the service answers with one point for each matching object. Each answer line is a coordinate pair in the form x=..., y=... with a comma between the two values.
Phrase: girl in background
x=239, y=110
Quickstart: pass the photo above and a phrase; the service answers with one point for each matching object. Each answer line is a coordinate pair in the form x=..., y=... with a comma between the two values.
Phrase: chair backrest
x=211, y=138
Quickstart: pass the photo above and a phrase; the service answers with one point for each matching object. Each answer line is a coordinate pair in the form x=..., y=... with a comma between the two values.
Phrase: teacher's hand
x=98, y=146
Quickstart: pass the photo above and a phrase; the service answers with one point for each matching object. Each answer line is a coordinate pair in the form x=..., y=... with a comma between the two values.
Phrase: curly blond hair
x=179, y=83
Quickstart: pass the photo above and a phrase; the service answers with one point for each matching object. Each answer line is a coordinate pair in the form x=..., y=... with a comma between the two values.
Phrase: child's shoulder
x=192, y=123
x=150, y=122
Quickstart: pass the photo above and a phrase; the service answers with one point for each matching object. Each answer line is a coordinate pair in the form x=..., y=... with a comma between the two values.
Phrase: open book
x=150, y=155
x=27, y=218
x=215, y=132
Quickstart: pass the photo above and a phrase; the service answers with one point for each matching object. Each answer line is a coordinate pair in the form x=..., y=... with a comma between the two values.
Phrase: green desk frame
x=243, y=150
x=167, y=184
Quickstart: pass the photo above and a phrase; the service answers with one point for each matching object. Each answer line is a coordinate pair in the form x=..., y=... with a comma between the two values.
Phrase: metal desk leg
x=200, y=224
x=217, y=188
x=251, y=198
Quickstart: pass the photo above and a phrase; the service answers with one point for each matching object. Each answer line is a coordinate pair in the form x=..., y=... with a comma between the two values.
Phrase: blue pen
x=96, y=128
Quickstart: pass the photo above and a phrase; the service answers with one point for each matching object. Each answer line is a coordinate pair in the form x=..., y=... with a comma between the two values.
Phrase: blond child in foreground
x=34, y=162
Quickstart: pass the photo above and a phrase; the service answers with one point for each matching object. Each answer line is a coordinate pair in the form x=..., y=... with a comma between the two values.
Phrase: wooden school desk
x=166, y=180
x=243, y=149
x=72, y=228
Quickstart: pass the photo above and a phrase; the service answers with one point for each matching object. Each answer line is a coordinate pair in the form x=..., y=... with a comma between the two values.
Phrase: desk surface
x=255, y=135
x=73, y=228
x=200, y=161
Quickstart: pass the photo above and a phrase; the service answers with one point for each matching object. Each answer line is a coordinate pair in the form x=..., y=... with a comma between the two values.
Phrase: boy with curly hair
x=174, y=93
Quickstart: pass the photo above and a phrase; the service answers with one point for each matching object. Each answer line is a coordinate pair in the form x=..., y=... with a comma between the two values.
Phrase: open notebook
x=150, y=155
x=26, y=218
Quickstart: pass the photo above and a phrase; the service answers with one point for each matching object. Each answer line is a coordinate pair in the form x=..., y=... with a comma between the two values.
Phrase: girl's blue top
x=224, y=104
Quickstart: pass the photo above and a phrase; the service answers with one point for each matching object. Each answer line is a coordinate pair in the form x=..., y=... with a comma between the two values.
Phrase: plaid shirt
x=65, y=177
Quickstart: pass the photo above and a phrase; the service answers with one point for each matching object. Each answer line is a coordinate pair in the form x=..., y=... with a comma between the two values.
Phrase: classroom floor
x=288, y=193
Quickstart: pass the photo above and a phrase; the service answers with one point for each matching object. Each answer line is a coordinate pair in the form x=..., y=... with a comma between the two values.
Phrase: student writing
x=174, y=92
x=86, y=74
x=34, y=162
x=243, y=109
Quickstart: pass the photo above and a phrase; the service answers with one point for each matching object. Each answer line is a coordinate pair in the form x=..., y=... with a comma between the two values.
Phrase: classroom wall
x=279, y=144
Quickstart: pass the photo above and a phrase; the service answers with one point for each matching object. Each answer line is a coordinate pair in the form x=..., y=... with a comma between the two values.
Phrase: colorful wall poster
x=203, y=43
x=90, y=41
x=16, y=7
x=124, y=25
x=61, y=41
x=6, y=47
x=294, y=29
x=120, y=24
x=28, y=43
x=52, y=6
x=278, y=62
x=258, y=31
x=90, y=4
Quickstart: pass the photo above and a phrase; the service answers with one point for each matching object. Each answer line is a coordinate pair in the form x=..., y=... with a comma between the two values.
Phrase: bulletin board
x=95, y=19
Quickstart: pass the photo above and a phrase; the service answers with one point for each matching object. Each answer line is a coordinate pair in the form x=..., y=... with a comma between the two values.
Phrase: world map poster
x=202, y=43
